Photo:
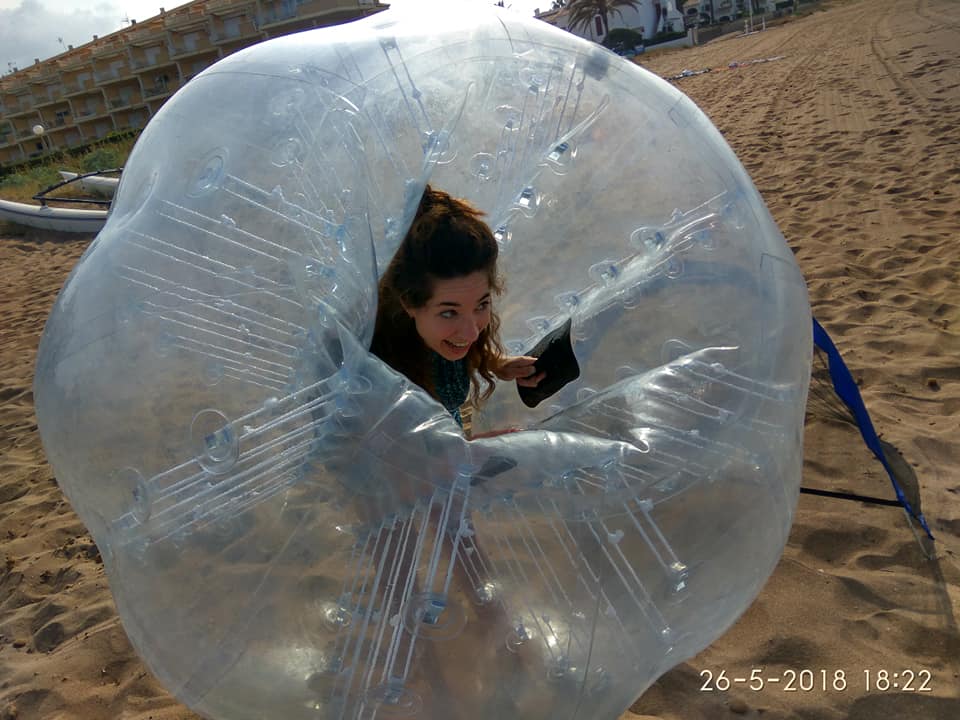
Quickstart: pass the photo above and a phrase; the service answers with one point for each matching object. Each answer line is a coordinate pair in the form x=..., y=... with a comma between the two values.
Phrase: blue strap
x=848, y=391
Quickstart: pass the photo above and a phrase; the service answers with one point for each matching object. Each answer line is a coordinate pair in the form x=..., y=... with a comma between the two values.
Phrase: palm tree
x=582, y=12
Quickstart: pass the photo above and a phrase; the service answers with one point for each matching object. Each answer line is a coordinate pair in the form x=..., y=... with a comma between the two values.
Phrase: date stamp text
x=819, y=680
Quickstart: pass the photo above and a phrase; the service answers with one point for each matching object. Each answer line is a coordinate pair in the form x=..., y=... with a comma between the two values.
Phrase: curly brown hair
x=447, y=239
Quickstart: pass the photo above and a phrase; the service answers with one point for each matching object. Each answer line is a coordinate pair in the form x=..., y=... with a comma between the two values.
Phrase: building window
x=598, y=21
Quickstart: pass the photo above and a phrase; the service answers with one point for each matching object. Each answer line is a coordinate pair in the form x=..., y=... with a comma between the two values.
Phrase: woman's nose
x=470, y=330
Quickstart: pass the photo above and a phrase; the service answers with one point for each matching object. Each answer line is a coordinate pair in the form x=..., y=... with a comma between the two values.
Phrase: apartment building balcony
x=131, y=118
x=90, y=112
x=50, y=98
x=124, y=75
x=189, y=18
x=25, y=76
x=198, y=46
x=26, y=133
x=198, y=66
x=62, y=137
x=41, y=72
x=55, y=115
x=234, y=43
x=114, y=48
x=71, y=137
x=9, y=105
x=24, y=107
x=159, y=90
x=228, y=7
x=76, y=91
x=276, y=12
x=232, y=20
x=124, y=101
x=116, y=73
x=146, y=34
x=98, y=119
x=243, y=33
x=308, y=14
x=153, y=60
x=56, y=122
x=11, y=98
x=77, y=60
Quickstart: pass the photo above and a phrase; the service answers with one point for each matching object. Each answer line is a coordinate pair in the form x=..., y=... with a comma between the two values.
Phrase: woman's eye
x=483, y=306
x=448, y=314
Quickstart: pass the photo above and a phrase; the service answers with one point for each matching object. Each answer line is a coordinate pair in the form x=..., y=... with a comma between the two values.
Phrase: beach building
x=648, y=18
x=721, y=11
x=117, y=82
x=651, y=17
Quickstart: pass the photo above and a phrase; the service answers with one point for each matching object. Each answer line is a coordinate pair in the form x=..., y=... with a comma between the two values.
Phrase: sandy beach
x=850, y=129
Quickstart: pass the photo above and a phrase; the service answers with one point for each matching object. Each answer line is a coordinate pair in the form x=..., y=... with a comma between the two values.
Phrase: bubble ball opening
x=290, y=528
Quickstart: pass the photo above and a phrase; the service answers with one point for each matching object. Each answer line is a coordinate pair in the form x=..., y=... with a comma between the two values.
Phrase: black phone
x=555, y=357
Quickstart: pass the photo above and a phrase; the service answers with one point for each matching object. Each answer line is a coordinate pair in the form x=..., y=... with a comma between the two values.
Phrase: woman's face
x=455, y=315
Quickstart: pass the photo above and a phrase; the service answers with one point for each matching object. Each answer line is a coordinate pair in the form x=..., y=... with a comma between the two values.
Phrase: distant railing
x=204, y=45
x=270, y=17
x=226, y=4
x=156, y=90
x=73, y=87
x=106, y=75
x=174, y=21
x=158, y=59
x=107, y=50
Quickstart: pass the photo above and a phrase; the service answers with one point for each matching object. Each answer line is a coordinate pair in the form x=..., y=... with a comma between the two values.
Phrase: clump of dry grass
x=23, y=185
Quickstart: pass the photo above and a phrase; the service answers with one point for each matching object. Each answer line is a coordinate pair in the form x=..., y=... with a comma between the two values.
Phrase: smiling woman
x=435, y=318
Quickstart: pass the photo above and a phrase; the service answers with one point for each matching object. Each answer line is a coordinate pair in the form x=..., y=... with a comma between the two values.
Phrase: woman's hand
x=521, y=369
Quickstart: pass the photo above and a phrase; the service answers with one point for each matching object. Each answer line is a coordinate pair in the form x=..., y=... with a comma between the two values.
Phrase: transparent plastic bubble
x=294, y=530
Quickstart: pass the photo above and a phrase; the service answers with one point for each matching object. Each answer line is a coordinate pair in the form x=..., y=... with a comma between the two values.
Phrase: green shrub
x=14, y=180
x=622, y=39
x=666, y=37
x=44, y=175
x=101, y=158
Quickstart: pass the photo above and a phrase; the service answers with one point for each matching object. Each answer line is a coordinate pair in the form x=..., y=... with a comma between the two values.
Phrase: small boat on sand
x=60, y=219
x=96, y=183
x=44, y=217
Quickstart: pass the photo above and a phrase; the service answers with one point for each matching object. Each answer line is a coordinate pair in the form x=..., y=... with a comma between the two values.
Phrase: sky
x=43, y=28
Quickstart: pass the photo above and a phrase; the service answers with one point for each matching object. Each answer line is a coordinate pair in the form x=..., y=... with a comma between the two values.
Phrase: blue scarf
x=452, y=383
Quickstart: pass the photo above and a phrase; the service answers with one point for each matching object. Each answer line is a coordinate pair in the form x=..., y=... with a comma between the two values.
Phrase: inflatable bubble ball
x=293, y=530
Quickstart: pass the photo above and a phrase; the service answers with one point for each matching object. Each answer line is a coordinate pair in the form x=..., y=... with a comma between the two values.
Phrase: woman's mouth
x=457, y=347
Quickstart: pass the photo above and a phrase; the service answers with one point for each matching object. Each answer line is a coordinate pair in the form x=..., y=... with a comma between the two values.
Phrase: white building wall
x=643, y=16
